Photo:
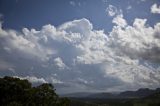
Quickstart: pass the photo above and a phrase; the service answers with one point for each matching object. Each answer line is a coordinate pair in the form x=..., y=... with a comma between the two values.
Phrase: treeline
x=17, y=92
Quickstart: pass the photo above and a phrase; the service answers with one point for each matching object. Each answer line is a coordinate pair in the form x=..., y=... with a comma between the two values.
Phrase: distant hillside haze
x=140, y=93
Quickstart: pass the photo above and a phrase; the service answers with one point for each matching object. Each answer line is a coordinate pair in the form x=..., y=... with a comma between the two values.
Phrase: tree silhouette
x=16, y=92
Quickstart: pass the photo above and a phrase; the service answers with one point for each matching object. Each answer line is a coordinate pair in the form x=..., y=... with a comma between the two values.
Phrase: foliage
x=151, y=100
x=16, y=92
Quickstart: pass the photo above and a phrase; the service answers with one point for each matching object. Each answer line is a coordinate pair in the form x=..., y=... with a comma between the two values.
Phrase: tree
x=16, y=92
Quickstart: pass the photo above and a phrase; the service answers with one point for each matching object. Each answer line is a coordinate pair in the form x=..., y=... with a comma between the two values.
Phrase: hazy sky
x=82, y=45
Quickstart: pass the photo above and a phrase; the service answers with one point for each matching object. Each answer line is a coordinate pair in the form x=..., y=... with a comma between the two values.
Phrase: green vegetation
x=16, y=92
x=149, y=101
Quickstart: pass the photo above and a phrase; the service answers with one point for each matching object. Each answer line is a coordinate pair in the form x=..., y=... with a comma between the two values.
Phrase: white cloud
x=26, y=44
x=59, y=63
x=119, y=20
x=155, y=9
x=129, y=7
x=37, y=80
x=136, y=75
x=33, y=79
x=112, y=10
x=82, y=81
x=90, y=55
x=55, y=81
x=82, y=26
x=11, y=69
x=138, y=41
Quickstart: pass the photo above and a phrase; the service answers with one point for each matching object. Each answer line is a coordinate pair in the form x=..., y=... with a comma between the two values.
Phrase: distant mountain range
x=140, y=93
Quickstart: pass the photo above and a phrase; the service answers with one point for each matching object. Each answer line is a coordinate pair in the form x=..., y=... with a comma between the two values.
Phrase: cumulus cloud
x=155, y=9
x=55, y=81
x=90, y=56
x=138, y=41
x=59, y=63
x=112, y=10
x=25, y=43
x=119, y=20
x=33, y=79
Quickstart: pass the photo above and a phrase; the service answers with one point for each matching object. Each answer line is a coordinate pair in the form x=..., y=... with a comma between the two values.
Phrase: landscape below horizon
x=20, y=92
x=88, y=50
x=140, y=93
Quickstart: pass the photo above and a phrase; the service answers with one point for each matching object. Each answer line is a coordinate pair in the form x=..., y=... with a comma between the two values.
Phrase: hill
x=140, y=93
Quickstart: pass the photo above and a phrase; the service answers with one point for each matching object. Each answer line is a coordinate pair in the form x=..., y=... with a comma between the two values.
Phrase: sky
x=82, y=45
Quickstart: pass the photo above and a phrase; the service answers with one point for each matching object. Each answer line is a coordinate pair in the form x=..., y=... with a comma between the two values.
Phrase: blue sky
x=35, y=13
x=81, y=45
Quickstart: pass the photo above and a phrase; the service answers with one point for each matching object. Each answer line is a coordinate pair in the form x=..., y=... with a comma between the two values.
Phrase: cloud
x=155, y=9
x=55, y=81
x=5, y=65
x=112, y=10
x=119, y=20
x=138, y=41
x=72, y=3
x=129, y=7
x=104, y=1
x=25, y=43
x=122, y=58
x=1, y=16
x=59, y=63
x=134, y=75
x=141, y=1
x=33, y=79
